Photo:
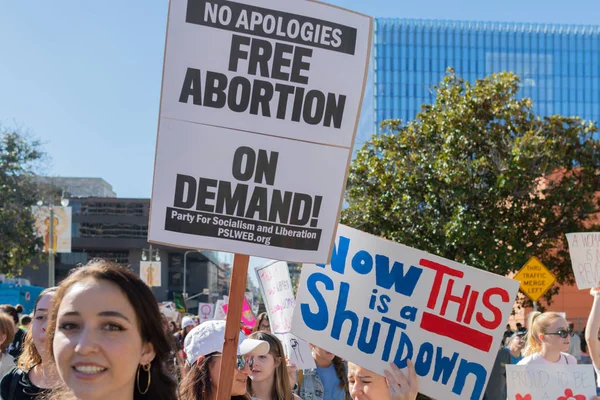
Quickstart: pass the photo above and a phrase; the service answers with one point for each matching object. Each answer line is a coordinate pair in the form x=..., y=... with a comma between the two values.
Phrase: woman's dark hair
x=340, y=371
x=31, y=355
x=261, y=317
x=282, y=390
x=148, y=315
x=12, y=311
x=196, y=384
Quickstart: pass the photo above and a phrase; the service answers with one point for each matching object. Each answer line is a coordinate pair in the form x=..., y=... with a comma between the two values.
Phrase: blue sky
x=84, y=77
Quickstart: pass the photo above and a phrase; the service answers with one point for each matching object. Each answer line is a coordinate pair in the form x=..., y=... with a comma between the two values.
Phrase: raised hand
x=402, y=387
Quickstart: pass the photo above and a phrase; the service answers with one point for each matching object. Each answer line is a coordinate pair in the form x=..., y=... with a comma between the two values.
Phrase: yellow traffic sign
x=535, y=279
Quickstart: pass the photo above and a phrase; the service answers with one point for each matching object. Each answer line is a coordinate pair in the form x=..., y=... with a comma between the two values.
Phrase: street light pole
x=51, y=266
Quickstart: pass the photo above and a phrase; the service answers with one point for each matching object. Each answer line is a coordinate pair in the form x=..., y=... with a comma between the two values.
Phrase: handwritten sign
x=585, y=258
x=550, y=382
x=380, y=302
x=276, y=287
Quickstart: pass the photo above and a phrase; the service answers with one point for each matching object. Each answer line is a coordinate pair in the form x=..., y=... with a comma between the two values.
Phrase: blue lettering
x=316, y=321
x=362, y=262
x=405, y=284
x=404, y=343
x=409, y=313
x=424, y=359
x=365, y=346
x=464, y=370
x=384, y=308
x=341, y=315
x=389, y=340
x=443, y=366
x=339, y=255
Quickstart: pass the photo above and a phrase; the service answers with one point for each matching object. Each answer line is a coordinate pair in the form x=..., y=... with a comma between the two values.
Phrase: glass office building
x=559, y=65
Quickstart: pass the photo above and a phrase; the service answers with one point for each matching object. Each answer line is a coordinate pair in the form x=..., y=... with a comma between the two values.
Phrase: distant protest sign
x=276, y=287
x=380, y=302
x=550, y=382
x=257, y=125
x=584, y=248
x=248, y=318
x=220, y=313
x=206, y=311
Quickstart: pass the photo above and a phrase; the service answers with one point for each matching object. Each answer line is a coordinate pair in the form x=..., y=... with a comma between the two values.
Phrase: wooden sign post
x=226, y=171
x=237, y=291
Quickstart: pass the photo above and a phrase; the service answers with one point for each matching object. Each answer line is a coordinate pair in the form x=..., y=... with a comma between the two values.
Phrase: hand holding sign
x=402, y=387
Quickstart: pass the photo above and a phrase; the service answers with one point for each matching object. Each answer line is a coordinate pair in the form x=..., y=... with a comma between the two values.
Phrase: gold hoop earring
x=147, y=369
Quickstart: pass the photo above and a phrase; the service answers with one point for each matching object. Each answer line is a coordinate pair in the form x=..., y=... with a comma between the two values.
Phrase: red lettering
x=471, y=307
x=453, y=330
x=462, y=301
x=440, y=271
x=497, y=320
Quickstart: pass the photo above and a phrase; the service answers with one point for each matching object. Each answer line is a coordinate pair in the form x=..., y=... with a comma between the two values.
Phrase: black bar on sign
x=287, y=27
x=241, y=229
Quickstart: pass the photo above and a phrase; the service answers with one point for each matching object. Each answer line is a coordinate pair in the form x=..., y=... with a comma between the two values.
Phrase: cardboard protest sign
x=550, y=382
x=220, y=313
x=248, y=318
x=297, y=350
x=168, y=309
x=276, y=287
x=268, y=67
x=206, y=311
x=380, y=302
x=248, y=88
x=584, y=249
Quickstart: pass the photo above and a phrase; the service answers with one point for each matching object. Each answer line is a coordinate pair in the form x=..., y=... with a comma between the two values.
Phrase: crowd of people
x=100, y=335
x=549, y=340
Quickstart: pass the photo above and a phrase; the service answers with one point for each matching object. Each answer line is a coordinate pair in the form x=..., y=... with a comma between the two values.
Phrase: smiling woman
x=106, y=335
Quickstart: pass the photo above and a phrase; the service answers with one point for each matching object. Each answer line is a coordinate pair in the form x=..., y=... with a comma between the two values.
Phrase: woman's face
x=40, y=323
x=366, y=385
x=264, y=326
x=97, y=344
x=552, y=340
x=238, y=388
x=263, y=367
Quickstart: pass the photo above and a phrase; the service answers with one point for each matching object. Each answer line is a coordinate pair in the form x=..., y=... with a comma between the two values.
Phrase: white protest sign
x=267, y=66
x=297, y=350
x=584, y=248
x=550, y=382
x=248, y=88
x=220, y=313
x=380, y=302
x=206, y=311
x=276, y=287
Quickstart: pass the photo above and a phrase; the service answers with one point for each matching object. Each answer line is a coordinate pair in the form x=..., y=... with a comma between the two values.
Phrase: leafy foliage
x=478, y=178
x=19, y=158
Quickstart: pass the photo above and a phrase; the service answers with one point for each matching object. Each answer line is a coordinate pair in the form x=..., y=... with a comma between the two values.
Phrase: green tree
x=478, y=178
x=19, y=159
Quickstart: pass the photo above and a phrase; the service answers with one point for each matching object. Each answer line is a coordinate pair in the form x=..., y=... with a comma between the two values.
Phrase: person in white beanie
x=187, y=324
x=204, y=347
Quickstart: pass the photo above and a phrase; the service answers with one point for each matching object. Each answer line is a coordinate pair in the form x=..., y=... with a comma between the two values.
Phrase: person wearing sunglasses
x=203, y=347
x=547, y=340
